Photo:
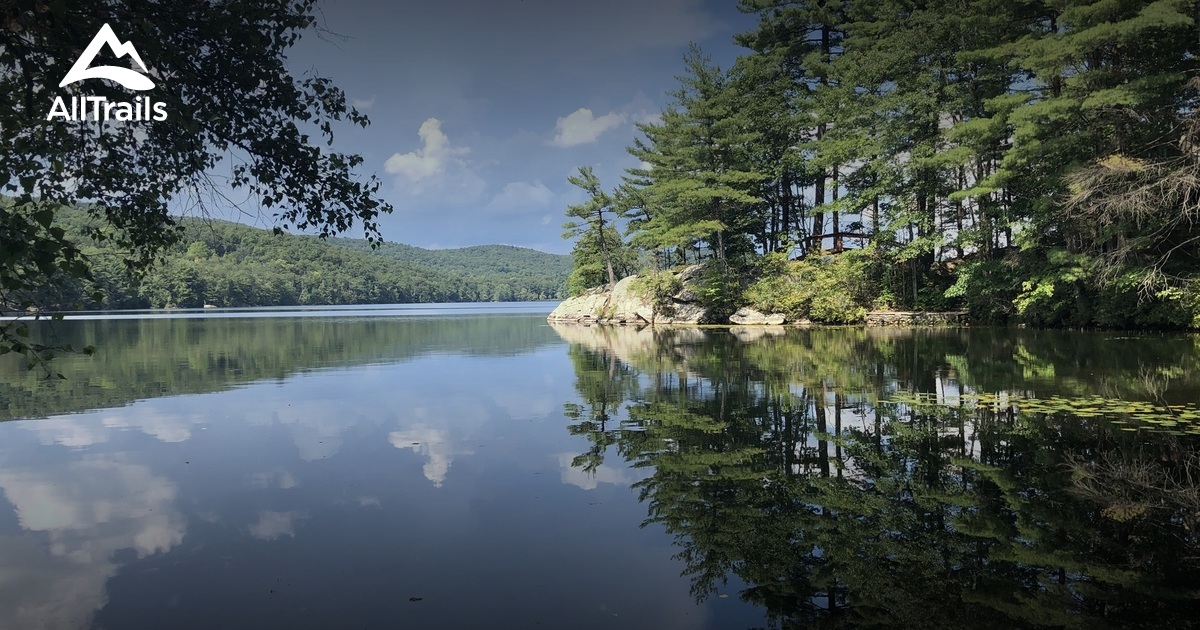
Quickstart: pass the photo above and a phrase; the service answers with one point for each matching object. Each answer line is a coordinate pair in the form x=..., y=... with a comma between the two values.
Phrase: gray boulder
x=750, y=317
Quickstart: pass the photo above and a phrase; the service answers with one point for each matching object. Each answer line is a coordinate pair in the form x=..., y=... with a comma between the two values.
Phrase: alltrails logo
x=100, y=108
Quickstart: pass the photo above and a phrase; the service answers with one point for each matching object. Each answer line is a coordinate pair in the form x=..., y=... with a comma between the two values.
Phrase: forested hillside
x=504, y=270
x=228, y=264
x=1030, y=161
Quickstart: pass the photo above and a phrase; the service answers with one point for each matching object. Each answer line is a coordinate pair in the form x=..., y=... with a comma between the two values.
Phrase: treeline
x=1028, y=161
x=504, y=270
x=229, y=265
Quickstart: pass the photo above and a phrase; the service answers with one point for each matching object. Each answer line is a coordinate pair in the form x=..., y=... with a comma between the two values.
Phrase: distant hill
x=229, y=264
x=503, y=269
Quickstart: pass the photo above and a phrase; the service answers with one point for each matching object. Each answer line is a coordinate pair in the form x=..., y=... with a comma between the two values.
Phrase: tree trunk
x=612, y=279
x=837, y=239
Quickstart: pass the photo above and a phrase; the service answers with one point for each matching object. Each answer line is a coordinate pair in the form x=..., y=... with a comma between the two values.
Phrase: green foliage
x=503, y=273
x=971, y=147
x=699, y=186
x=590, y=261
x=228, y=265
x=658, y=286
x=833, y=290
x=223, y=76
x=719, y=292
x=599, y=244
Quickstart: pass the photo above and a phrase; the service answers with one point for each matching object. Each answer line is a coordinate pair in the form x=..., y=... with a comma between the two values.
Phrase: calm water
x=476, y=467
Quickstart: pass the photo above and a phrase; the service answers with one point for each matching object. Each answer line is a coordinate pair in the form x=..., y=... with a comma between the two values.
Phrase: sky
x=481, y=109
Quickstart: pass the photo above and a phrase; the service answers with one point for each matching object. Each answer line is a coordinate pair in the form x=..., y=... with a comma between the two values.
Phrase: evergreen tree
x=591, y=221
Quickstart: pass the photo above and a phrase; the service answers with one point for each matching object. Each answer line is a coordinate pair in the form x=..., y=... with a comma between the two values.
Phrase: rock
x=623, y=302
x=585, y=307
x=916, y=318
x=686, y=313
x=749, y=317
x=623, y=305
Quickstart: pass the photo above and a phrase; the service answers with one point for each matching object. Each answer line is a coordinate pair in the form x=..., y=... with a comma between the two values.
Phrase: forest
x=227, y=264
x=1030, y=162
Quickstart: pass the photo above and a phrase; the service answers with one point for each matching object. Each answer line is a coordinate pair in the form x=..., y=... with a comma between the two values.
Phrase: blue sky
x=481, y=109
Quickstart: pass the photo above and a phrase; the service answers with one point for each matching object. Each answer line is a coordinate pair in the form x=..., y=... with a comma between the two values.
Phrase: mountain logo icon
x=131, y=79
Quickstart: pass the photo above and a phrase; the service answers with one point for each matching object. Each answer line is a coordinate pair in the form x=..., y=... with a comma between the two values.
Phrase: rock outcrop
x=750, y=317
x=916, y=318
x=624, y=305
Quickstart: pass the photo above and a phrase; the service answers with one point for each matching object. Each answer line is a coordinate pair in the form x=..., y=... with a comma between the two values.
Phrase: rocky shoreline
x=626, y=306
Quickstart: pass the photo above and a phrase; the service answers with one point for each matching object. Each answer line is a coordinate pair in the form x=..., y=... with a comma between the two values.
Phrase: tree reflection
x=781, y=460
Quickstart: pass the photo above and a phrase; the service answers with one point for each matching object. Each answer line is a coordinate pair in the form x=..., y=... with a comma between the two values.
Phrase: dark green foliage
x=1029, y=162
x=504, y=273
x=221, y=71
x=227, y=265
x=600, y=247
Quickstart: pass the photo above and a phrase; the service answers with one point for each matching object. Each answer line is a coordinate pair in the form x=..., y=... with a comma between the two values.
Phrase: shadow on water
x=898, y=478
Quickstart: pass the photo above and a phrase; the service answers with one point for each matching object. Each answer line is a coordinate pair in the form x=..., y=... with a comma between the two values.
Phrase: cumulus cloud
x=582, y=127
x=435, y=154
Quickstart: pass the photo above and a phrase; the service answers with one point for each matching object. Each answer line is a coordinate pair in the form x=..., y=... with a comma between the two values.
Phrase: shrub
x=658, y=287
x=832, y=290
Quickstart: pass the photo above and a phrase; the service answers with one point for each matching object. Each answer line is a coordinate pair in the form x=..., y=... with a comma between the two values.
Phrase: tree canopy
x=1030, y=162
x=236, y=120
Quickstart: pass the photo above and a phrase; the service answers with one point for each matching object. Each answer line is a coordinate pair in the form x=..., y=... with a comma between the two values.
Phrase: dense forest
x=511, y=273
x=227, y=265
x=1032, y=162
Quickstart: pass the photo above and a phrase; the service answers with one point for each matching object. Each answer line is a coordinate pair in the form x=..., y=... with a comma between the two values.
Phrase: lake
x=472, y=466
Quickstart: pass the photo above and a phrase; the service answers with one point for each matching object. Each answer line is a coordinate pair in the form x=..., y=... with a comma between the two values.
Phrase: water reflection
x=321, y=472
x=147, y=358
x=786, y=459
x=392, y=474
x=84, y=515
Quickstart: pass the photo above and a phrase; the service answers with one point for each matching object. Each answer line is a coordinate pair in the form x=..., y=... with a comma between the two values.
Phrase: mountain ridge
x=224, y=263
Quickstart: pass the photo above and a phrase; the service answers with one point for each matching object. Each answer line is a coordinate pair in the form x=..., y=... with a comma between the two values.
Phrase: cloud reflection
x=81, y=516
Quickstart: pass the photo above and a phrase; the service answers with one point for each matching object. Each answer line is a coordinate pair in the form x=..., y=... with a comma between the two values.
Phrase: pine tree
x=591, y=220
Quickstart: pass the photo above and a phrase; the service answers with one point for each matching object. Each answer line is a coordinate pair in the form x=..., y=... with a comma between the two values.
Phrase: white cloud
x=150, y=418
x=431, y=159
x=437, y=170
x=582, y=127
x=521, y=198
x=363, y=103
